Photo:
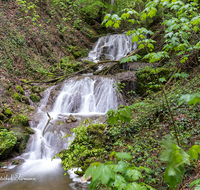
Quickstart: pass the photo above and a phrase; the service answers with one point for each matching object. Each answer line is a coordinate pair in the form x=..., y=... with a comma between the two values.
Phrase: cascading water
x=80, y=96
x=112, y=47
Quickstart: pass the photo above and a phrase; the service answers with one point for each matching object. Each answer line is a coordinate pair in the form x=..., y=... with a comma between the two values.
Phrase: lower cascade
x=84, y=97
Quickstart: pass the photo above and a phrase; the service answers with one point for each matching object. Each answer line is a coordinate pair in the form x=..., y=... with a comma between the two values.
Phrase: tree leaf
x=123, y=155
x=118, y=180
x=134, y=174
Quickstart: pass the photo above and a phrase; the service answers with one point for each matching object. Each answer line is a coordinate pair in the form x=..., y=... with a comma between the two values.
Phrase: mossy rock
x=15, y=162
x=80, y=173
x=23, y=143
x=7, y=142
x=1, y=125
x=2, y=117
x=8, y=112
x=20, y=89
x=29, y=130
x=18, y=131
x=25, y=100
x=41, y=89
x=16, y=96
x=96, y=136
x=35, y=89
x=34, y=98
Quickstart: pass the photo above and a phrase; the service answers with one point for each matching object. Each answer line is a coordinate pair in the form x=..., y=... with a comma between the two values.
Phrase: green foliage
x=23, y=118
x=16, y=96
x=190, y=99
x=7, y=142
x=176, y=159
x=88, y=144
x=180, y=75
x=8, y=112
x=119, y=116
x=181, y=26
x=119, y=175
x=197, y=183
x=131, y=58
x=34, y=98
x=20, y=89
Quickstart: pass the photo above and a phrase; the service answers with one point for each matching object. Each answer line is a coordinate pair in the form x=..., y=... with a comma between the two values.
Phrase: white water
x=80, y=96
x=113, y=47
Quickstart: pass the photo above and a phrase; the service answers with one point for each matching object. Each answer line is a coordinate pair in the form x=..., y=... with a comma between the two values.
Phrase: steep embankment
x=34, y=36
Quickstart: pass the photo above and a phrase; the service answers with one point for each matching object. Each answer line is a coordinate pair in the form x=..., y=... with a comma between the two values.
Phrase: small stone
x=68, y=120
x=83, y=179
x=72, y=118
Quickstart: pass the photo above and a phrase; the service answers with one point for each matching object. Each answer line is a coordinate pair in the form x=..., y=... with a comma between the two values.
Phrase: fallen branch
x=46, y=124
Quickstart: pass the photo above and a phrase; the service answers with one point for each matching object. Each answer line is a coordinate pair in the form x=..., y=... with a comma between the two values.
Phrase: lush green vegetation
x=151, y=144
x=151, y=159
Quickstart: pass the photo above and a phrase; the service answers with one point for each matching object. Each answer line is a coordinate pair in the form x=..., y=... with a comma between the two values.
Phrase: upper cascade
x=111, y=47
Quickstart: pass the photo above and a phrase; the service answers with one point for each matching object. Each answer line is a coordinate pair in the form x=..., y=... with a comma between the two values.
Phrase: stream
x=83, y=97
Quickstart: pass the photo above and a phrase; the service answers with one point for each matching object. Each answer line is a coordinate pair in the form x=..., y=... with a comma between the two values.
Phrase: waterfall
x=87, y=95
x=112, y=47
x=80, y=96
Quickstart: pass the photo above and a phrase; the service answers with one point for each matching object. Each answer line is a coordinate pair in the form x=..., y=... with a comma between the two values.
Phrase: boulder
x=129, y=79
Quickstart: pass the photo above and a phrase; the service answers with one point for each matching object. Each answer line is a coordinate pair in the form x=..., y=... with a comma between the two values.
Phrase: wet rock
x=52, y=97
x=72, y=118
x=18, y=132
x=129, y=79
x=83, y=179
x=68, y=120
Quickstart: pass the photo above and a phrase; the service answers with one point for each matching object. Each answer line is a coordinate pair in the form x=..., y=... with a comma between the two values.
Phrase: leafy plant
x=176, y=159
x=7, y=142
x=118, y=175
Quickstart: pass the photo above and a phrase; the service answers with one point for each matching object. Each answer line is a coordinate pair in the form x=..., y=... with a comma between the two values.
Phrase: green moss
x=35, y=89
x=80, y=173
x=7, y=142
x=25, y=99
x=34, y=98
x=1, y=125
x=16, y=96
x=76, y=51
x=23, y=143
x=20, y=89
x=17, y=130
x=89, y=143
x=41, y=89
x=8, y=112
x=15, y=162
x=23, y=119
x=29, y=130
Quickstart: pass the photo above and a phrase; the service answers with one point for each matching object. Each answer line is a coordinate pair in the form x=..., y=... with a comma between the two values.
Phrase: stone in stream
x=83, y=179
x=68, y=120
x=72, y=118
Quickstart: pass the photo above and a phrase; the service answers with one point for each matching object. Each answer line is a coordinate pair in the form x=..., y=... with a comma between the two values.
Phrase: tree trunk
x=112, y=4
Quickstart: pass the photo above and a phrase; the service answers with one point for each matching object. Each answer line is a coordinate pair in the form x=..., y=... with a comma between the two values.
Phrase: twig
x=46, y=124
